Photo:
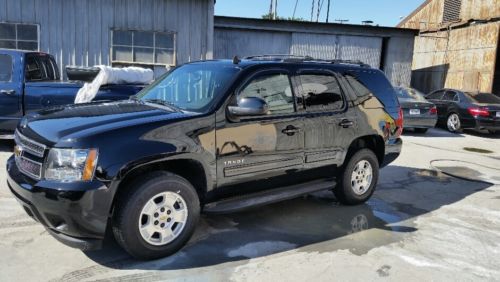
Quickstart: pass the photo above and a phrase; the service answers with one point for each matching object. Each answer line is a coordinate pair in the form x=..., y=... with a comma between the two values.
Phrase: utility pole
x=328, y=12
x=319, y=10
x=312, y=10
x=271, y=10
x=276, y=9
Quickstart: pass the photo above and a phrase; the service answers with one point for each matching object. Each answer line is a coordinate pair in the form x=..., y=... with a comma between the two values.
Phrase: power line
x=319, y=10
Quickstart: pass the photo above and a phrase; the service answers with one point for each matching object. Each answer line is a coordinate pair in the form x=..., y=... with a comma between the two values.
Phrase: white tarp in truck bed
x=109, y=75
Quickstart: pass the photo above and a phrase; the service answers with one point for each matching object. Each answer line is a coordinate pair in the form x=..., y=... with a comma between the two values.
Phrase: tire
x=421, y=130
x=131, y=212
x=493, y=132
x=453, y=123
x=345, y=191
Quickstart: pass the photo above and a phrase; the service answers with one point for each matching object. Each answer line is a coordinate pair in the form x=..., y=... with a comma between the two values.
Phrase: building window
x=19, y=36
x=142, y=48
x=452, y=10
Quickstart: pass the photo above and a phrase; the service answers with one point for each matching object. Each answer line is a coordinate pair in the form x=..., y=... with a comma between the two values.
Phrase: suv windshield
x=192, y=87
x=410, y=93
x=484, y=98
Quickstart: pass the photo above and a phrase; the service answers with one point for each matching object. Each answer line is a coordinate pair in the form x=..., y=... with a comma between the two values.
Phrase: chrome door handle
x=8, y=92
x=345, y=123
x=290, y=130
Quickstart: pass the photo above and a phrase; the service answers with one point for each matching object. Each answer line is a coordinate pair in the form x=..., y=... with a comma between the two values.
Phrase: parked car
x=460, y=110
x=212, y=136
x=30, y=81
x=418, y=113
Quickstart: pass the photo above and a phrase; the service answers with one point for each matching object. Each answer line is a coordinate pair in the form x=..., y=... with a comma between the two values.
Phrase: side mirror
x=249, y=106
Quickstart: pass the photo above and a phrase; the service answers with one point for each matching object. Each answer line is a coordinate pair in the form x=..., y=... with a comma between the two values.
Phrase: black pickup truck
x=211, y=136
x=30, y=81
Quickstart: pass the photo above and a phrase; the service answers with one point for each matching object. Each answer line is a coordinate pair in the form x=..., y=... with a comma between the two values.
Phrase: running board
x=239, y=203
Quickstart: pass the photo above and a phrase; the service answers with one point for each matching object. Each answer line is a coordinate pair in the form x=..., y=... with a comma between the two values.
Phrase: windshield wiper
x=163, y=103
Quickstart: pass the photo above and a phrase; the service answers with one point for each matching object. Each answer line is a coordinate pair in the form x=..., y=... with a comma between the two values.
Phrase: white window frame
x=174, y=49
x=17, y=40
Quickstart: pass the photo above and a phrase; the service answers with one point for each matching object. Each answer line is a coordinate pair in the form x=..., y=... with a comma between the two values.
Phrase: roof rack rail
x=296, y=58
x=279, y=57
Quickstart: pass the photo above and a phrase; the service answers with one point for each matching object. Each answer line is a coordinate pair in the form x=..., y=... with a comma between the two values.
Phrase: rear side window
x=41, y=68
x=321, y=92
x=450, y=96
x=357, y=86
x=275, y=89
x=377, y=84
x=5, y=68
x=438, y=95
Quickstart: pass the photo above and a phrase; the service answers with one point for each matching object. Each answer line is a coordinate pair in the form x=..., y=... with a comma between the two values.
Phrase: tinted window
x=435, y=95
x=377, y=84
x=5, y=68
x=321, y=92
x=33, y=69
x=450, y=96
x=275, y=89
x=484, y=98
x=357, y=86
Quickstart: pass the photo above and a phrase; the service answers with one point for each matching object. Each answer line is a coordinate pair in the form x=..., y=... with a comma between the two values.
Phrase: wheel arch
x=373, y=142
x=191, y=169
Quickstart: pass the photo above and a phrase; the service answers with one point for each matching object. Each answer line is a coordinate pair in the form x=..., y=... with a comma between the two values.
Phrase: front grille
x=29, y=145
x=29, y=167
x=29, y=156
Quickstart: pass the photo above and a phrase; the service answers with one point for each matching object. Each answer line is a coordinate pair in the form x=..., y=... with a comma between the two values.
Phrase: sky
x=382, y=12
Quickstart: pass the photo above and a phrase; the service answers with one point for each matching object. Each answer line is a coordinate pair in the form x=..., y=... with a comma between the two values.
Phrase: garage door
x=329, y=47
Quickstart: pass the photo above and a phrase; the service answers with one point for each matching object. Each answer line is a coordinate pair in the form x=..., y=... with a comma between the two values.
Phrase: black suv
x=212, y=137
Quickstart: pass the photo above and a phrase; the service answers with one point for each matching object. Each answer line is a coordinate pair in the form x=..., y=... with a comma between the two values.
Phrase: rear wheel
x=421, y=130
x=358, y=178
x=453, y=123
x=155, y=217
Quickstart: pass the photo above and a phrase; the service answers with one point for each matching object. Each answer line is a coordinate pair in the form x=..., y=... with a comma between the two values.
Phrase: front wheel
x=453, y=123
x=358, y=179
x=155, y=217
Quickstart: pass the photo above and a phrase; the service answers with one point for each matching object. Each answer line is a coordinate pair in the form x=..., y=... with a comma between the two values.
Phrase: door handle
x=345, y=123
x=8, y=92
x=290, y=130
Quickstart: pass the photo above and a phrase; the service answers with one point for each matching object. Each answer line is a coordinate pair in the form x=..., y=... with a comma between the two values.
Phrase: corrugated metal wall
x=77, y=32
x=231, y=42
x=344, y=47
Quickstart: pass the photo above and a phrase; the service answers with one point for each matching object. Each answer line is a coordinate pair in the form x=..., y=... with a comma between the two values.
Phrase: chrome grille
x=29, y=167
x=29, y=145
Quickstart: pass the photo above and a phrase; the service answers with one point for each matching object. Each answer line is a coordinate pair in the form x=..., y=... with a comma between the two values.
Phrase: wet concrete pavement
x=423, y=223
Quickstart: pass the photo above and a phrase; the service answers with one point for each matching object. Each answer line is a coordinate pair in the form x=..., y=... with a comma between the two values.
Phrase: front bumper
x=74, y=213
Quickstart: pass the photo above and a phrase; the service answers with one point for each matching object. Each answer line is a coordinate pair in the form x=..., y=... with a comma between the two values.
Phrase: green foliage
x=270, y=16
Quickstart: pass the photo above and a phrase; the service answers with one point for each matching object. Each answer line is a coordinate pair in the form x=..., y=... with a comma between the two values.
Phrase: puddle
x=468, y=170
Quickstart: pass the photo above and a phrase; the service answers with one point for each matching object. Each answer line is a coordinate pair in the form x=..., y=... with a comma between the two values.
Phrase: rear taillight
x=399, y=123
x=433, y=111
x=479, y=112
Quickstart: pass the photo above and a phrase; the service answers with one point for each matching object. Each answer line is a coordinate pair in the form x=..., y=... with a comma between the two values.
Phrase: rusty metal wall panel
x=239, y=42
x=321, y=46
x=463, y=59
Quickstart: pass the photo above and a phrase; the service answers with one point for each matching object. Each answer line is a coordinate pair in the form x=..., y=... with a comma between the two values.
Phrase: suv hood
x=76, y=121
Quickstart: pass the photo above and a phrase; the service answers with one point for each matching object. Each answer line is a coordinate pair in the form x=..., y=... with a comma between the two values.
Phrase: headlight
x=70, y=165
